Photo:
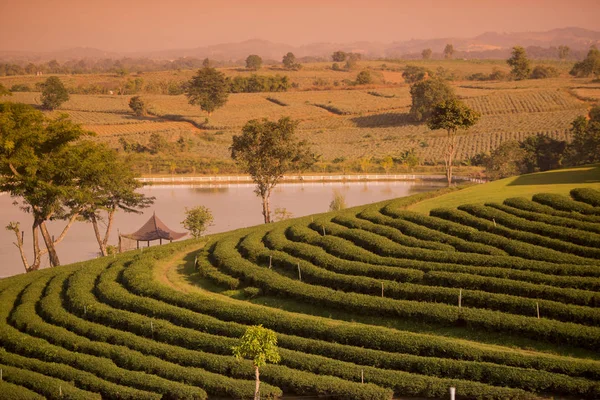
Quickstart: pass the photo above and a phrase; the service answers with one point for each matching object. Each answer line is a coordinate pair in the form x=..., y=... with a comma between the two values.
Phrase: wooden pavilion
x=153, y=229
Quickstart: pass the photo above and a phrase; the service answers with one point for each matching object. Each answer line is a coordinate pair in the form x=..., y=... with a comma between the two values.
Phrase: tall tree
x=197, y=220
x=339, y=56
x=519, y=63
x=504, y=161
x=563, y=52
x=54, y=93
x=448, y=51
x=289, y=60
x=452, y=115
x=426, y=54
x=259, y=344
x=585, y=147
x=267, y=150
x=413, y=74
x=106, y=185
x=254, y=62
x=38, y=165
x=589, y=66
x=209, y=89
x=426, y=94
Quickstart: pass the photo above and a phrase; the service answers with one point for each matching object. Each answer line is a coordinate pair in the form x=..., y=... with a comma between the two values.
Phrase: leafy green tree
x=339, y=201
x=448, y=51
x=544, y=72
x=519, y=63
x=206, y=63
x=426, y=94
x=410, y=158
x=585, y=147
x=39, y=164
x=364, y=77
x=413, y=74
x=542, y=153
x=209, y=89
x=137, y=105
x=282, y=213
x=387, y=164
x=157, y=143
x=4, y=91
x=54, y=93
x=504, y=161
x=563, y=52
x=339, y=56
x=589, y=66
x=259, y=344
x=267, y=150
x=197, y=220
x=107, y=184
x=254, y=62
x=289, y=61
x=426, y=54
x=452, y=115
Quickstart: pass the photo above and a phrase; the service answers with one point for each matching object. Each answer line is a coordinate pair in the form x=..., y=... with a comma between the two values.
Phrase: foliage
x=339, y=201
x=426, y=54
x=260, y=345
x=289, y=61
x=519, y=63
x=137, y=105
x=544, y=72
x=208, y=89
x=282, y=213
x=413, y=74
x=364, y=77
x=266, y=150
x=452, y=115
x=426, y=94
x=542, y=153
x=54, y=93
x=339, y=56
x=585, y=146
x=504, y=161
x=4, y=91
x=197, y=220
x=259, y=83
x=563, y=52
x=39, y=162
x=448, y=51
x=589, y=66
x=335, y=67
x=253, y=62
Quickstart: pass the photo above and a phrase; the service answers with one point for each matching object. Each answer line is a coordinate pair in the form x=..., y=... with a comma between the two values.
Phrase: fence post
x=299, y=273
x=452, y=393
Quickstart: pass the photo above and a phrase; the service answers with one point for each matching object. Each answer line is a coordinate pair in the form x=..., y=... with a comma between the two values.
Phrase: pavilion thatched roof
x=154, y=229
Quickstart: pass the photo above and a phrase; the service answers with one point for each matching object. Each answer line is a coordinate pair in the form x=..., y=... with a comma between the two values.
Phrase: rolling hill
x=499, y=300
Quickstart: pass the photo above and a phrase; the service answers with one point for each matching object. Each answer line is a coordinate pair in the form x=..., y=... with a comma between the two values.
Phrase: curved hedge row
x=563, y=203
x=587, y=195
x=529, y=205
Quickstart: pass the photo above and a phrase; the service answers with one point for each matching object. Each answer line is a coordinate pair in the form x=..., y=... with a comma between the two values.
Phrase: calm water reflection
x=233, y=206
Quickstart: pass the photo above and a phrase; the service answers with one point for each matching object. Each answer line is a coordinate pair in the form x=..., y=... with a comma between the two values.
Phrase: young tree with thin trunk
x=448, y=51
x=452, y=115
x=267, y=150
x=260, y=345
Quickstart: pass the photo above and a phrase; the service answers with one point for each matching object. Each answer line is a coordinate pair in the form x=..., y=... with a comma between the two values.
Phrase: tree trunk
x=97, y=233
x=266, y=209
x=54, y=261
x=257, y=388
x=37, y=256
x=449, y=156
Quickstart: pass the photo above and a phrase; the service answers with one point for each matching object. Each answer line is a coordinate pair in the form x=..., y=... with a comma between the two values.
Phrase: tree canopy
x=267, y=150
x=254, y=62
x=197, y=220
x=259, y=344
x=289, y=61
x=585, y=147
x=519, y=63
x=589, y=66
x=54, y=93
x=426, y=94
x=339, y=56
x=452, y=115
x=209, y=89
x=4, y=91
x=413, y=74
x=364, y=77
x=137, y=105
x=449, y=51
x=563, y=52
x=426, y=54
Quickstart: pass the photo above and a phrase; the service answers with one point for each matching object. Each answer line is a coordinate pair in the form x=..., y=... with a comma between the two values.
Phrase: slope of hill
x=500, y=301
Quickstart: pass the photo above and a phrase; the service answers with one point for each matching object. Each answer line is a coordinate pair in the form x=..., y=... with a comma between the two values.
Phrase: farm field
x=342, y=122
x=498, y=299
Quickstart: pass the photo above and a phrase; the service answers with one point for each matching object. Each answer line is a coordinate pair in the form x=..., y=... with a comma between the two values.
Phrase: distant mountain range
x=486, y=45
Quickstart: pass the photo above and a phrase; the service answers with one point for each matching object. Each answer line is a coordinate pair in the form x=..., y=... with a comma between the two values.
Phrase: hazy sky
x=139, y=25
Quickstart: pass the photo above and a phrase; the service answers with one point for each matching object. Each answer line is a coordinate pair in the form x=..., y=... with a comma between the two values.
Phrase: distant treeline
x=533, y=52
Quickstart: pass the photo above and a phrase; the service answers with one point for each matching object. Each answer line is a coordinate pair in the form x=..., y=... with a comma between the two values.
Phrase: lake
x=232, y=205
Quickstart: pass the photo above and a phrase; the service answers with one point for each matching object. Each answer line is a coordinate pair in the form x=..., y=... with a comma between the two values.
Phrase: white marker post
x=452, y=393
x=299, y=273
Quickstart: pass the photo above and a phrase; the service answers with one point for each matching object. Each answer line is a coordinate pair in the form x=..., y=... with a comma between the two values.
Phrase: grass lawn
x=557, y=181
